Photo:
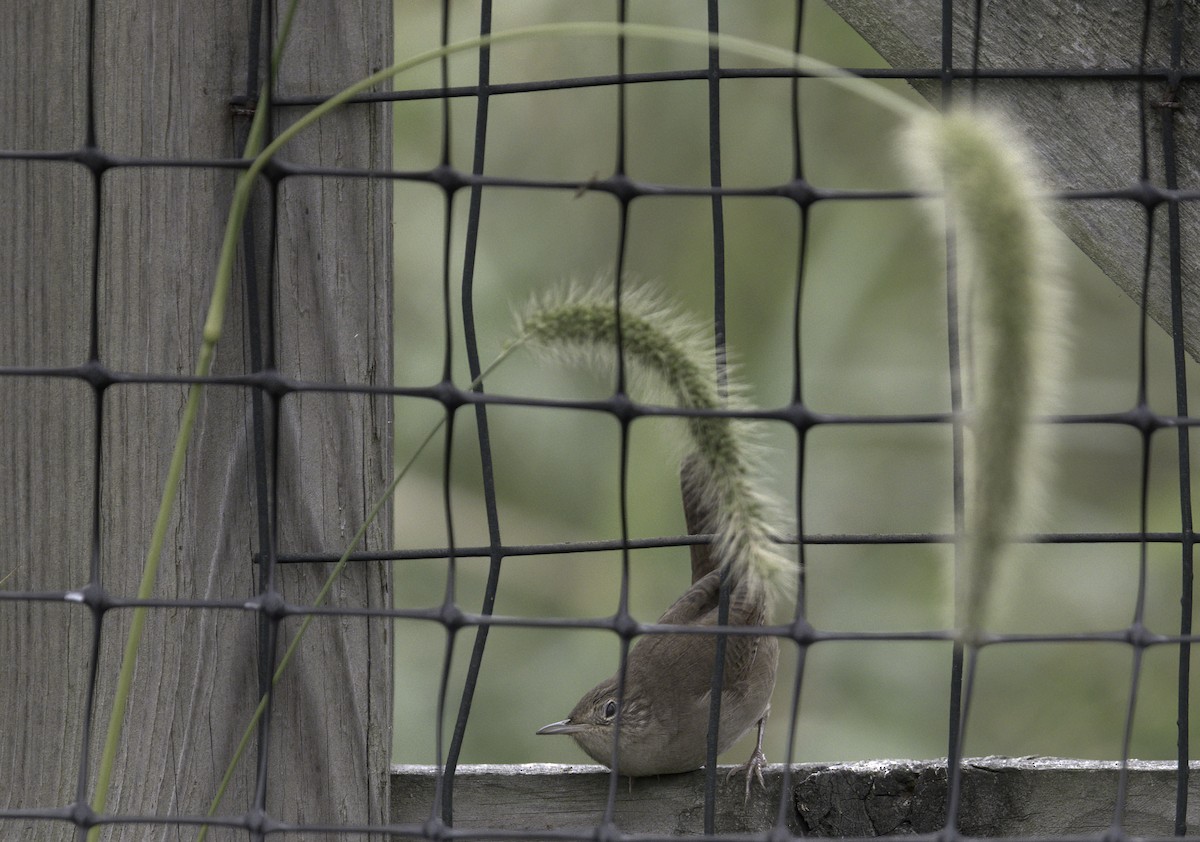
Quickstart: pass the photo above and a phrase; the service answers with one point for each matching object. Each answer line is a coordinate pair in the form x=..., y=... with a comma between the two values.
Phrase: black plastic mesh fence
x=463, y=182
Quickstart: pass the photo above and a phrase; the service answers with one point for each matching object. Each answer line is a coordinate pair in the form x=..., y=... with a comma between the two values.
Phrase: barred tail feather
x=665, y=348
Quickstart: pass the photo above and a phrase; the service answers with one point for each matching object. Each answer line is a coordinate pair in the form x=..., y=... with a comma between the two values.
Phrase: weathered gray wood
x=45, y=443
x=164, y=78
x=1028, y=796
x=1086, y=132
x=547, y=796
x=1001, y=797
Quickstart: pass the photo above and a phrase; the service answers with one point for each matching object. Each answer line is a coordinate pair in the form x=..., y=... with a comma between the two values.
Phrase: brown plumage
x=664, y=724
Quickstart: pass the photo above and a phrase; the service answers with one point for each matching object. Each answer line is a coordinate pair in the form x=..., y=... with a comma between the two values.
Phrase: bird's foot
x=753, y=769
x=754, y=766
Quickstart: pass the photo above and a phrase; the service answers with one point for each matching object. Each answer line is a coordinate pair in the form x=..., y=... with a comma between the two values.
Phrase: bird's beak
x=564, y=726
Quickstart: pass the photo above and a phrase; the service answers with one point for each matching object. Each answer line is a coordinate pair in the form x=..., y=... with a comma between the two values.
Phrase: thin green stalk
x=747, y=47
x=239, y=205
x=323, y=595
x=646, y=31
x=211, y=335
x=248, y=733
x=729, y=43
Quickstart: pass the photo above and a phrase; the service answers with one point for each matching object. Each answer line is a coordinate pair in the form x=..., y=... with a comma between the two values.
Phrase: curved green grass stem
x=323, y=596
x=211, y=335
x=222, y=281
x=729, y=43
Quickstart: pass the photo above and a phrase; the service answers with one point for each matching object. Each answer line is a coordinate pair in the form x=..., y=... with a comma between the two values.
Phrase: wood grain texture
x=1085, y=131
x=1001, y=797
x=164, y=79
x=549, y=797
x=1025, y=796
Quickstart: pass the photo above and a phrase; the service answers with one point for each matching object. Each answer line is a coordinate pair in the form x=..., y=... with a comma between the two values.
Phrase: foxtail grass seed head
x=1015, y=325
x=665, y=352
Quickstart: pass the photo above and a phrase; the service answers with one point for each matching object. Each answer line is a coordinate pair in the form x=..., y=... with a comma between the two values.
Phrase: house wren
x=668, y=679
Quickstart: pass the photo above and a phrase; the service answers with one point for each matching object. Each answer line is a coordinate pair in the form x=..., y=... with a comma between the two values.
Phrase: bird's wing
x=697, y=601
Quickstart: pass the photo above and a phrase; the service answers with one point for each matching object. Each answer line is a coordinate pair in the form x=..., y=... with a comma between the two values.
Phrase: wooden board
x=165, y=75
x=1086, y=131
x=1001, y=797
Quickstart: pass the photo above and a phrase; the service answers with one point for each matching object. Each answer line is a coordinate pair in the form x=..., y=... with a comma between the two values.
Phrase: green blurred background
x=873, y=341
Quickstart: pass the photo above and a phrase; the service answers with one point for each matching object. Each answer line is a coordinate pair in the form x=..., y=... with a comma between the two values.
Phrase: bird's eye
x=610, y=709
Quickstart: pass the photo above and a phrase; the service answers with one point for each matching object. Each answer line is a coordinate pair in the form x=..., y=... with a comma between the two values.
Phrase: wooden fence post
x=164, y=80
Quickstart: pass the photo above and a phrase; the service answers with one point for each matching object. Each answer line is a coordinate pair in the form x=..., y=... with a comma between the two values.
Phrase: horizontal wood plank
x=1032, y=796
